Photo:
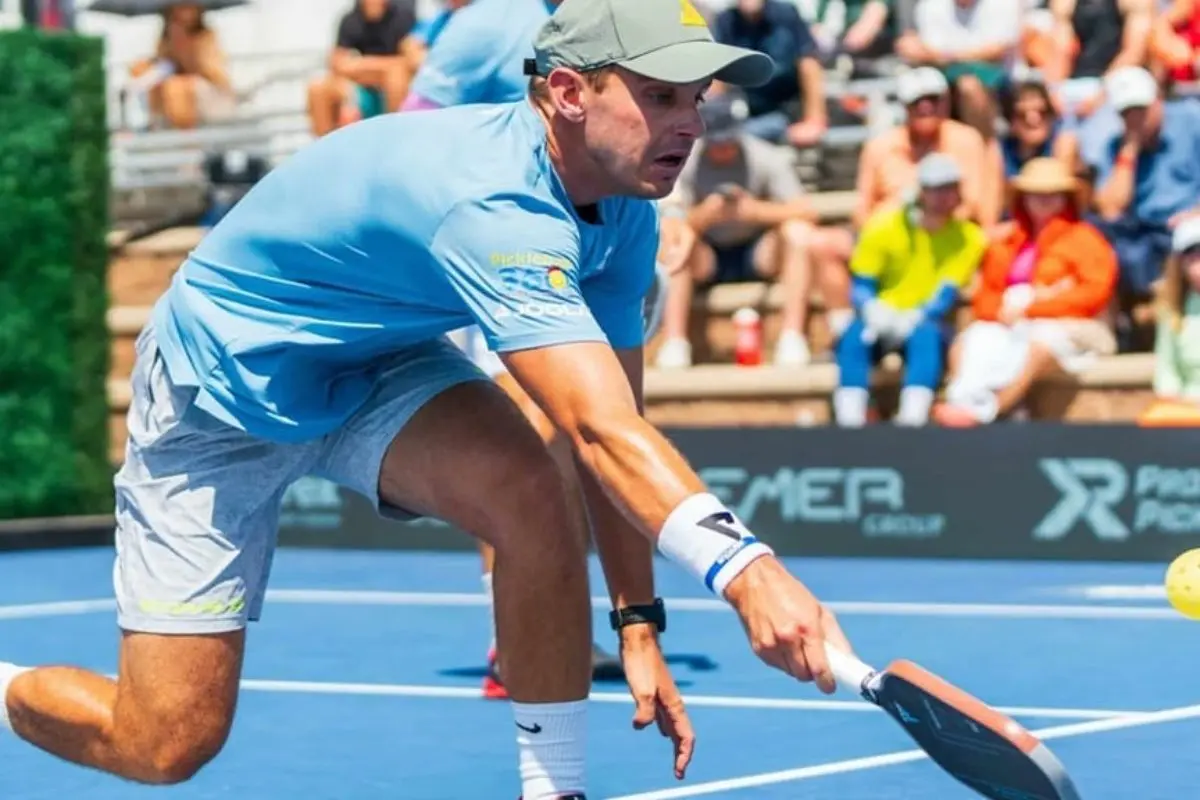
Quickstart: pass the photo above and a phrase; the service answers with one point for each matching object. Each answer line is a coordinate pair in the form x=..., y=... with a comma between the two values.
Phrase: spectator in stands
x=370, y=67
x=1177, y=339
x=909, y=268
x=1090, y=39
x=887, y=171
x=775, y=28
x=1034, y=129
x=888, y=164
x=974, y=42
x=1147, y=177
x=1039, y=305
x=743, y=201
x=1175, y=40
x=868, y=30
x=187, y=79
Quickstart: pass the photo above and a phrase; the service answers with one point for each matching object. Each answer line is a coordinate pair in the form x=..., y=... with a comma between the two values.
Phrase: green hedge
x=53, y=291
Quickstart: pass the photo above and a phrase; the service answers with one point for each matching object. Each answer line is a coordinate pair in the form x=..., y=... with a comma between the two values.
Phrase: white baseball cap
x=938, y=169
x=920, y=82
x=1130, y=87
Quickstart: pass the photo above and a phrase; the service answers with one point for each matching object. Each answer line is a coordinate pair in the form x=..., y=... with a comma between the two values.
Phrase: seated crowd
x=1024, y=217
x=1032, y=209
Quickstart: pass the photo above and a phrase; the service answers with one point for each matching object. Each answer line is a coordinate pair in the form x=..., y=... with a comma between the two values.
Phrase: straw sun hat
x=1046, y=176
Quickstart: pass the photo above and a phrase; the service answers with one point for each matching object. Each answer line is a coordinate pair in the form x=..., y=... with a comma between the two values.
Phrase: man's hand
x=655, y=694
x=807, y=132
x=786, y=625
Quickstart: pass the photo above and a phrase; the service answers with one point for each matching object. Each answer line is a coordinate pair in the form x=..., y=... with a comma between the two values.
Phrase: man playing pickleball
x=305, y=335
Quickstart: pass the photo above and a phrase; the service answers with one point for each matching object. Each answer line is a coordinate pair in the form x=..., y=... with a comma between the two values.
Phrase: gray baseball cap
x=665, y=40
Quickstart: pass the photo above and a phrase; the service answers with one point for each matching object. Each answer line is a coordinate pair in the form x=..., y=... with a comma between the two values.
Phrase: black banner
x=1028, y=491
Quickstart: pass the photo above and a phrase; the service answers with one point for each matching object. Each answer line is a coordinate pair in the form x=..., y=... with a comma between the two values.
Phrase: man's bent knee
x=796, y=234
x=180, y=758
x=176, y=699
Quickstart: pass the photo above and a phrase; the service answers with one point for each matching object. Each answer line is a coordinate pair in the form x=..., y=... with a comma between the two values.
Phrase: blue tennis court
x=362, y=682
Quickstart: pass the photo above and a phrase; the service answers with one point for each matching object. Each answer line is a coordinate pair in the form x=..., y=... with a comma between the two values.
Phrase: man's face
x=373, y=9
x=751, y=8
x=939, y=202
x=1142, y=122
x=641, y=131
x=926, y=114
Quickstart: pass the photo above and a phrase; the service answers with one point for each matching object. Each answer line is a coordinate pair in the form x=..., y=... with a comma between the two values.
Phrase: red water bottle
x=747, y=348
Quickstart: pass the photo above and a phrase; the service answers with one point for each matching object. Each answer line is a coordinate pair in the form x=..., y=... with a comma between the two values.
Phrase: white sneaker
x=674, y=354
x=791, y=350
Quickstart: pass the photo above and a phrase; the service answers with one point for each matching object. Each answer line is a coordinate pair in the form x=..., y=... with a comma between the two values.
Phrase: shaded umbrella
x=141, y=8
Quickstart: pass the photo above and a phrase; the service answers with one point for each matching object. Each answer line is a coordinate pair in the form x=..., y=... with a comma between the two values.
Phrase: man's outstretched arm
x=626, y=555
x=583, y=389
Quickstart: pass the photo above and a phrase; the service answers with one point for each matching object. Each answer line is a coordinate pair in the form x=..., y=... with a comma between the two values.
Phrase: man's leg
x=439, y=439
x=167, y=715
x=782, y=255
x=699, y=268
x=924, y=359
x=560, y=451
x=852, y=398
x=197, y=508
x=830, y=252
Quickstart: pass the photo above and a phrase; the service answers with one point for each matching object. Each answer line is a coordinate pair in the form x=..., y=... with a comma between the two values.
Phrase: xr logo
x=1091, y=489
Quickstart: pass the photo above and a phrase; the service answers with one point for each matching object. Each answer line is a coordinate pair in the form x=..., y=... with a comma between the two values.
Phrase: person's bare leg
x=179, y=103
x=830, y=252
x=168, y=715
x=787, y=254
x=324, y=102
x=396, y=81
x=699, y=266
x=471, y=458
x=560, y=451
x=1041, y=362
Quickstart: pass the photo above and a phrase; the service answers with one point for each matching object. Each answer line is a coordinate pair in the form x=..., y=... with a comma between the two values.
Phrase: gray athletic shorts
x=198, y=501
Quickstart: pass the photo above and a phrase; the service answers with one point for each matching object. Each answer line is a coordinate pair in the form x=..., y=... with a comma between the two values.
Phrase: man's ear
x=566, y=92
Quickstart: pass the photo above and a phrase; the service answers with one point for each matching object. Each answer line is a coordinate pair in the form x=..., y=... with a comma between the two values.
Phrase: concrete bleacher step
x=1114, y=389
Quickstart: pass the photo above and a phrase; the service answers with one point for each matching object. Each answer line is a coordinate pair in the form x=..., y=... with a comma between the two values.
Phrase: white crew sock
x=915, y=402
x=850, y=406
x=8, y=673
x=487, y=589
x=552, y=739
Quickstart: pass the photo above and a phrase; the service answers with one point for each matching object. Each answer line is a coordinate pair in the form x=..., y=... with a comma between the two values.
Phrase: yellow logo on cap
x=688, y=15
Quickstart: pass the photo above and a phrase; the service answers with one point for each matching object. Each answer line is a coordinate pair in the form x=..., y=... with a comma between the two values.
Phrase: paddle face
x=977, y=745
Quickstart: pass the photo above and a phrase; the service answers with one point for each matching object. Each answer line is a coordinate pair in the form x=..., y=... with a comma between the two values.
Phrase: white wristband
x=704, y=537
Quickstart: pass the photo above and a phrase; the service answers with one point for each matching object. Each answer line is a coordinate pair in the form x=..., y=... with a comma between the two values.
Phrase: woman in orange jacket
x=1044, y=289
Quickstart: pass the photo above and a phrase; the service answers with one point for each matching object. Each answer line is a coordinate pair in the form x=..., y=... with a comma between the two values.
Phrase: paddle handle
x=849, y=672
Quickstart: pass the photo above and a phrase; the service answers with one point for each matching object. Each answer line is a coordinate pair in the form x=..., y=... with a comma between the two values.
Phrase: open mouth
x=671, y=161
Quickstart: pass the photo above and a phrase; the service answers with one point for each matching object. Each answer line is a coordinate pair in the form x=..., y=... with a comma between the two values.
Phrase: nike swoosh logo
x=535, y=729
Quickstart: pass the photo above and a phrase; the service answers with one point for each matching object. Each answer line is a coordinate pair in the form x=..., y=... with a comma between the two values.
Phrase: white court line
x=1122, y=592
x=699, y=604
x=63, y=609
x=855, y=608
x=900, y=757
x=697, y=701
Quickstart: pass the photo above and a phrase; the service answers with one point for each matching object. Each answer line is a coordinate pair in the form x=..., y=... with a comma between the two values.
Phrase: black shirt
x=379, y=38
x=780, y=33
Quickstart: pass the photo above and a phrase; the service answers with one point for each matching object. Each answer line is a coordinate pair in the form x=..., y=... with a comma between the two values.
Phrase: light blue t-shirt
x=386, y=233
x=480, y=55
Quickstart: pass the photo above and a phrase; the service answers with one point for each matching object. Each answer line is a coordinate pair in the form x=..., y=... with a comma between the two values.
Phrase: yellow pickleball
x=1183, y=584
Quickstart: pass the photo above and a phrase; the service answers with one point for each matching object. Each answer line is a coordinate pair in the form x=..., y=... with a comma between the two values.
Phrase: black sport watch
x=655, y=614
